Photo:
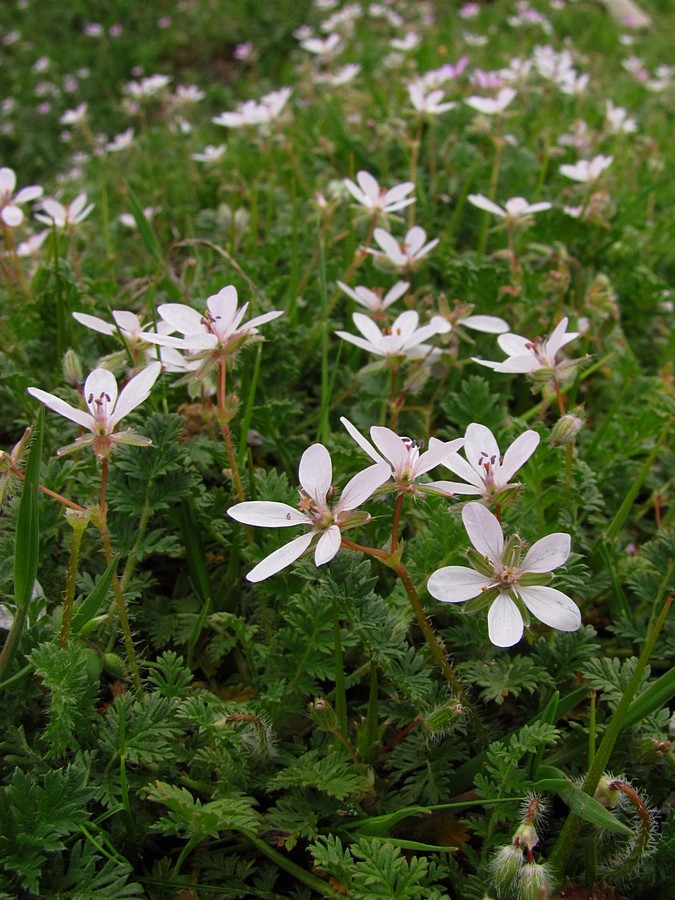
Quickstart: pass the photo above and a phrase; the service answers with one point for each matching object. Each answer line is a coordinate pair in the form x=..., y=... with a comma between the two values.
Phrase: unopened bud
x=439, y=720
x=605, y=793
x=534, y=882
x=72, y=368
x=505, y=867
x=567, y=428
x=323, y=715
x=114, y=665
x=526, y=836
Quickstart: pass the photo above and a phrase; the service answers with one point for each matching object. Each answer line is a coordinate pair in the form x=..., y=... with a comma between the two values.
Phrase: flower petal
x=480, y=446
x=455, y=584
x=362, y=485
x=267, y=513
x=505, y=624
x=181, y=317
x=517, y=454
x=551, y=607
x=94, y=323
x=136, y=391
x=100, y=383
x=328, y=545
x=316, y=473
x=60, y=406
x=486, y=204
x=281, y=558
x=363, y=443
x=548, y=553
x=486, y=324
x=484, y=531
x=392, y=447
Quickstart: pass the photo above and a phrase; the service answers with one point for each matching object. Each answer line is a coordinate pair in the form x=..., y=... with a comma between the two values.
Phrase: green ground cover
x=442, y=665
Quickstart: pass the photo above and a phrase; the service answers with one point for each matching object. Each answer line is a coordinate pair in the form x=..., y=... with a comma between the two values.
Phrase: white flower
x=403, y=339
x=408, y=42
x=214, y=336
x=501, y=578
x=74, y=116
x=492, y=106
x=404, y=456
x=253, y=113
x=428, y=102
x=344, y=75
x=121, y=141
x=529, y=356
x=325, y=519
x=326, y=47
x=129, y=221
x=55, y=213
x=106, y=409
x=10, y=213
x=485, y=471
x=618, y=120
x=379, y=201
x=373, y=299
x=408, y=254
x=515, y=211
x=587, y=170
x=147, y=87
x=210, y=154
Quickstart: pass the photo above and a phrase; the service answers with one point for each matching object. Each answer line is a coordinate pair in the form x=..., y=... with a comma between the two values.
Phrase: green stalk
x=372, y=717
x=340, y=692
x=492, y=191
x=79, y=524
x=324, y=429
x=293, y=869
x=570, y=830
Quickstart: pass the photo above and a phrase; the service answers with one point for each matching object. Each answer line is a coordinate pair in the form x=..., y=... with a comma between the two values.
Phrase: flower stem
x=50, y=493
x=394, y=528
x=71, y=581
x=492, y=191
x=425, y=625
x=227, y=434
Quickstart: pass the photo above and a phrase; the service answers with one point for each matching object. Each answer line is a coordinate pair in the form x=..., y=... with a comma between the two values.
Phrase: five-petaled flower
x=527, y=356
x=106, y=409
x=10, y=214
x=60, y=216
x=587, y=170
x=375, y=300
x=324, y=518
x=402, y=255
x=214, y=336
x=379, y=202
x=516, y=211
x=406, y=458
x=403, y=339
x=485, y=471
x=512, y=586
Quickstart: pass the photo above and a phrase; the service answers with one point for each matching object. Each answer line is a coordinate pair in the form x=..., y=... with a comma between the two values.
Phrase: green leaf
x=582, y=804
x=145, y=229
x=89, y=607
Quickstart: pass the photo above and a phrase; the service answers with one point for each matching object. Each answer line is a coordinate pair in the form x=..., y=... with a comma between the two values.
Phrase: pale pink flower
x=516, y=211
x=406, y=254
x=527, y=356
x=492, y=106
x=55, y=213
x=587, y=171
x=373, y=300
x=511, y=585
x=379, y=201
x=252, y=112
x=485, y=471
x=324, y=518
x=344, y=75
x=106, y=409
x=618, y=120
x=406, y=458
x=428, y=102
x=214, y=336
x=400, y=341
x=74, y=116
x=10, y=213
x=325, y=48
x=210, y=154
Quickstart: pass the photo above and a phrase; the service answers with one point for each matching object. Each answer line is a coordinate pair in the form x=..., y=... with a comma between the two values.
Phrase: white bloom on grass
x=316, y=510
x=492, y=106
x=147, y=87
x=403, y=339
x=375, y=300
x=403, y=255
x=485, y=471
x=344, y=75
x=516, y=211
x=10, y=213
x=406, y=458
x=55, y=213
x=428, y=102
x=618, y=120
x=527, y=356
x=209, y=154
x=214, y=336
x=252, y=112
x=587, y=171
x=512, y=586
x=106, y=409
x=379, y=201
x=121, y=141
x=325, y=48
x=74, y=116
